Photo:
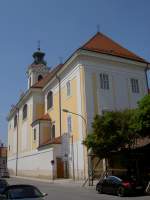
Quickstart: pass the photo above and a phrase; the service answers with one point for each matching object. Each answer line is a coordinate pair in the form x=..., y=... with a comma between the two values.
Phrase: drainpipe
x=39, y=134
x=58, y=78
x=146, y=69
x=17, y=109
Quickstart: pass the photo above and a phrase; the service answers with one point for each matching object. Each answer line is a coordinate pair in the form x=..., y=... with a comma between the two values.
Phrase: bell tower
x=38, y=69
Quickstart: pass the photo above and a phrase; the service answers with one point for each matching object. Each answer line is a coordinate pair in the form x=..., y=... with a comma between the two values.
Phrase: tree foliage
x=142, y=117
x=119, y=129
x=111, y=131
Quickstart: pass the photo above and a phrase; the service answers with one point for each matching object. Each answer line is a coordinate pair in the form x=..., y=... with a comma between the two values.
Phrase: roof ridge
x=121, y=51
x=121, y=45
x=90, y=40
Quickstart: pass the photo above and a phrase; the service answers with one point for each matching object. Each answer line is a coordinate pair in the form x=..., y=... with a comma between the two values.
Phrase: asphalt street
x=65, y=191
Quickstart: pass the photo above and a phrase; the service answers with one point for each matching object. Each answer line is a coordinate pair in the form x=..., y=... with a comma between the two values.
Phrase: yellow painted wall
x=70, y=103
x=46, y=134
x=54, y=114
x=39, y=110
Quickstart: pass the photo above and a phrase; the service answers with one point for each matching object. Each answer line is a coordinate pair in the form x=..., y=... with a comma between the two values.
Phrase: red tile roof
x=47, y=78
x=42, y=118
x=52, y=141
x=100, y=43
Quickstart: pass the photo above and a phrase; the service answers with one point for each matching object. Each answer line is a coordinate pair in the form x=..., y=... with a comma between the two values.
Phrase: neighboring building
x=44, y=141
x=3, y=160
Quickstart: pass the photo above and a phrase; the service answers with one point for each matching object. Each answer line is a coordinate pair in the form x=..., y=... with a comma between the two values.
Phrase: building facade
x=48, y=124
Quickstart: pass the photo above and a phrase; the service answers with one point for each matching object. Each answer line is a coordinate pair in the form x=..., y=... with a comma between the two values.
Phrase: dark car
x=3, y=185
x=28, y=192
x=118, y=186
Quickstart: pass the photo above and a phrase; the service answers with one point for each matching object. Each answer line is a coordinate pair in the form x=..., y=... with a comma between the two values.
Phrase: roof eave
x=20, y=102
x=123, y=57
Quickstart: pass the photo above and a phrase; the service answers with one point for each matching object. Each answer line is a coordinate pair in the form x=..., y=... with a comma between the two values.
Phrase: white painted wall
x=38, y=161
x=119, y=96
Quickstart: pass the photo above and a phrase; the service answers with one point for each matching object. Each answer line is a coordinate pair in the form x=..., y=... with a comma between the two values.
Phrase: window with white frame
x=135, y=85
x=68, y=87
x=69, y=124
x=104, y=81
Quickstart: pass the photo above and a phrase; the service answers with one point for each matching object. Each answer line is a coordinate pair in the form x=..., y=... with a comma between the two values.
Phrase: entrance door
x=60, y=168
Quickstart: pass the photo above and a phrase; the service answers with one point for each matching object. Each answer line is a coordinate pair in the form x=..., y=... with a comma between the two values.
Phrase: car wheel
x=120, y=191
x=100, y=191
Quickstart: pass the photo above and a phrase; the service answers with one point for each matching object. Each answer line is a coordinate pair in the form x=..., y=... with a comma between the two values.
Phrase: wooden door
x=60, y=168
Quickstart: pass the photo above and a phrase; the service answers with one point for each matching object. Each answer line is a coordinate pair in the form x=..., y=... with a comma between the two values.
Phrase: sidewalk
x=64, y=182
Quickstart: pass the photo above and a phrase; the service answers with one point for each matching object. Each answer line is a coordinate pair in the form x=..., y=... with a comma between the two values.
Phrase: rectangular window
x=69, y=124
x=34, y=134
x=135, y=85
x=104, y=81
x=68, y=86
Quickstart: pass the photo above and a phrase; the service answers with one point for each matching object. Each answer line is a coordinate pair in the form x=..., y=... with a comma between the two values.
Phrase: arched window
x=15, y=121
x=50, y=100
x=40, y=77
x=53, y=131
x=25, y=111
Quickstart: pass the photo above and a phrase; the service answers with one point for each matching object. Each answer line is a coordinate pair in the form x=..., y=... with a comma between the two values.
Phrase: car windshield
x=23, y=192
x=113, y=178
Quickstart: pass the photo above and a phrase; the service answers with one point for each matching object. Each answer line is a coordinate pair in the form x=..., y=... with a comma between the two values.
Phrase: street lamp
x=68, y=111
x=85, y=124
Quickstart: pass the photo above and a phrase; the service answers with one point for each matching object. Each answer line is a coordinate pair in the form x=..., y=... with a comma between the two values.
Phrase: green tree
x=142, y=117
x=111, y=132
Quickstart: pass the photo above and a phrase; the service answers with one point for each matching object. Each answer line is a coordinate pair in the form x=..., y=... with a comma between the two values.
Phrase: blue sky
x=62, y=26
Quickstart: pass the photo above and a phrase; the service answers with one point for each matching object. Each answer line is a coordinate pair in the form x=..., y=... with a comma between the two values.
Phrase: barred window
x=104, y=81
x=135, y=85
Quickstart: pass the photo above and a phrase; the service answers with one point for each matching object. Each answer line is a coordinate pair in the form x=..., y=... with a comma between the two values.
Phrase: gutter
x=59, y=82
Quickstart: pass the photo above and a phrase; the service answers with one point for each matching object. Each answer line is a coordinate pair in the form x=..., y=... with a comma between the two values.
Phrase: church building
x=47, y=125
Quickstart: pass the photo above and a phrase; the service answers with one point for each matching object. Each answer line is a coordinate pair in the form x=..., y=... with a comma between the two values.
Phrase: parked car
x=28, y=192
x=3, y=185
x=118, y=186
